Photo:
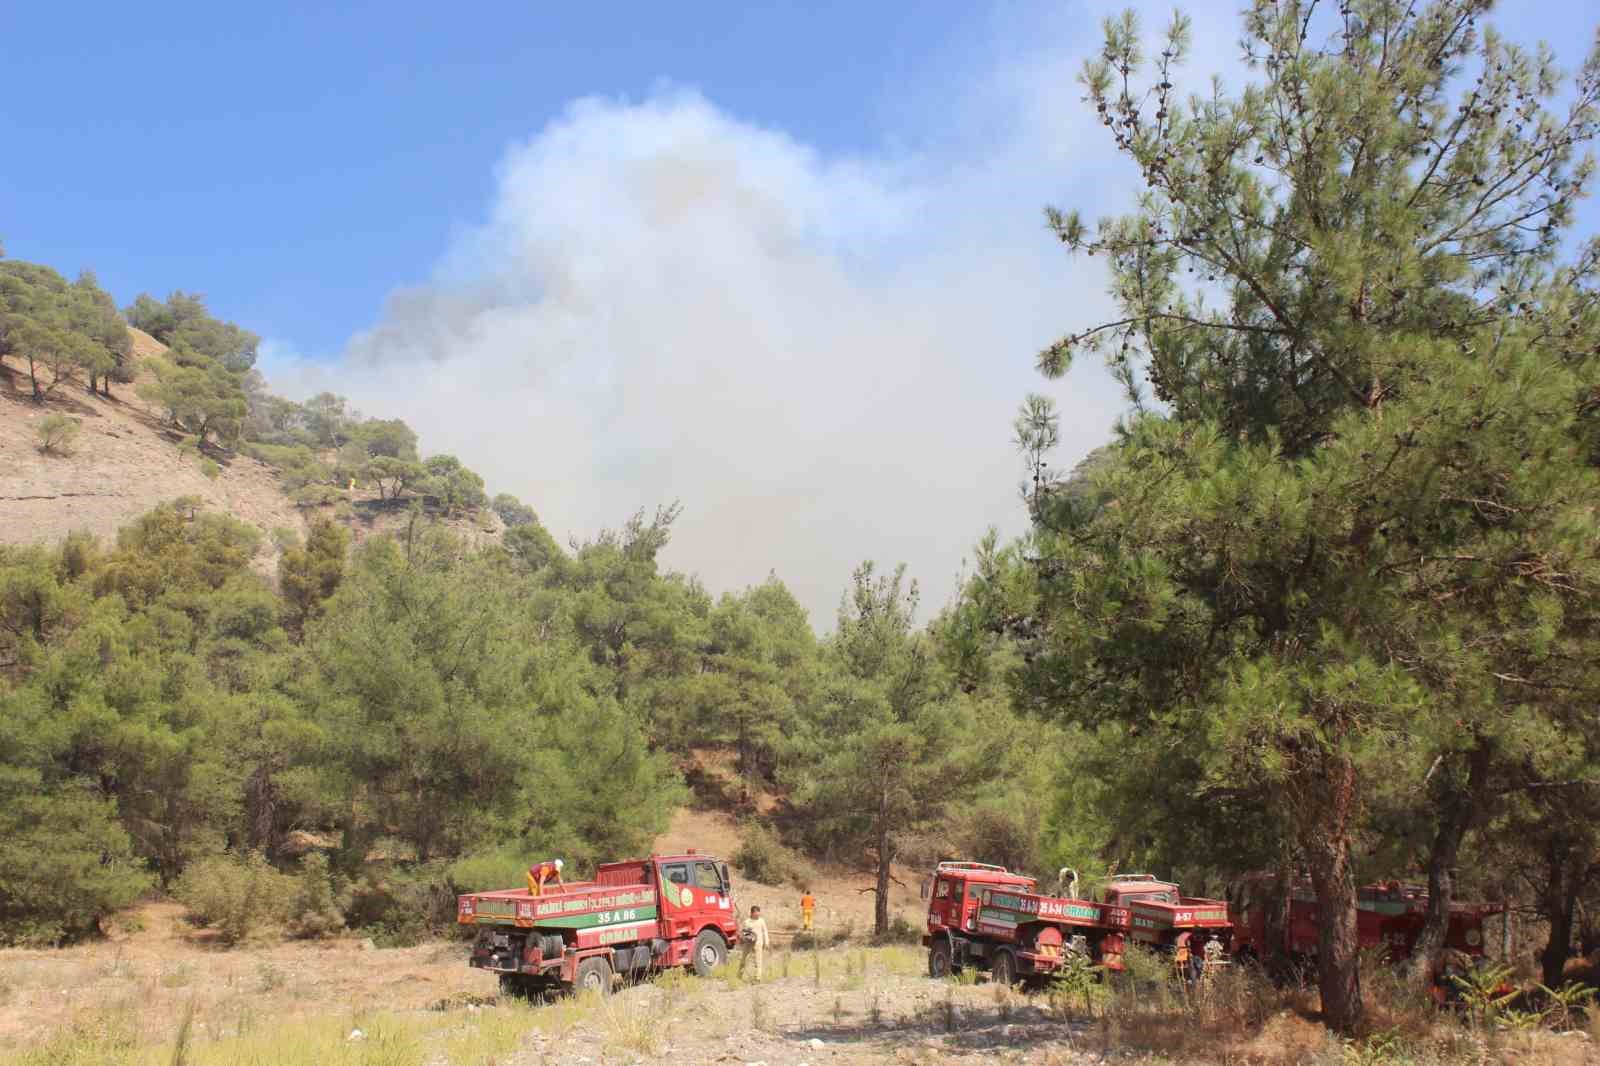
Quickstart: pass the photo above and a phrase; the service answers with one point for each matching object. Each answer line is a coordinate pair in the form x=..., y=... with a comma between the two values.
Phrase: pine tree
x=1357, y=536
x=890, y=743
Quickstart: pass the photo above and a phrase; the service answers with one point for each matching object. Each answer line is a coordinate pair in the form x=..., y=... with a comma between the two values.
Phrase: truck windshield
x=706, y=877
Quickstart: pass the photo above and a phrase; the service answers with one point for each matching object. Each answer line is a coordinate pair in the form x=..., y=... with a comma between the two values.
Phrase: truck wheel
x=710, y=951
x=511, y=985
x=593, y=974
x=939, y=960
x=1003, y=968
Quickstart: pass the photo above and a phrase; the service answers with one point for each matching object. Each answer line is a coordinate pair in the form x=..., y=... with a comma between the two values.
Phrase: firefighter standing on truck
x=808, y=909
x=755, y=941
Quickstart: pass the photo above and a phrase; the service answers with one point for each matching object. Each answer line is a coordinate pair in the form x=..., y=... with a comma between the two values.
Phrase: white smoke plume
x=819, y=356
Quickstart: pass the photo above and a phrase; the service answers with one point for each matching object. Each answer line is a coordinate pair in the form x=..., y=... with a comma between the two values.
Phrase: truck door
x=677, y=900
x=713, y=903
x=946, y=902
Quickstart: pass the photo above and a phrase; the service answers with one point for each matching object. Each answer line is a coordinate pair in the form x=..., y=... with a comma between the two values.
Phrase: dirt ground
x=842, y=1005
x=126, y=1001
x=846, y=1018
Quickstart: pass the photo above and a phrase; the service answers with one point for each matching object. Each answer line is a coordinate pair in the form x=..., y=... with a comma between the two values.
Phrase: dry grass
x=159, y=970
x=1236, y=1016
x=294, y=1005
x=273, y=1006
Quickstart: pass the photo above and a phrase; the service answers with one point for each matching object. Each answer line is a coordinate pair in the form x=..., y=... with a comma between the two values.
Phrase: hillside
x=127, y=459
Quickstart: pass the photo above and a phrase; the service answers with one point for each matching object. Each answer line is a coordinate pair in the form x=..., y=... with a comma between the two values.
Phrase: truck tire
x=1003, y=967
x=939, y=962
x=593, y=973
x=710, y=951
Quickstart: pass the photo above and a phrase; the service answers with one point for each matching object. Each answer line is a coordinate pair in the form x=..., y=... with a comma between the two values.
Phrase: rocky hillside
x=126, y=459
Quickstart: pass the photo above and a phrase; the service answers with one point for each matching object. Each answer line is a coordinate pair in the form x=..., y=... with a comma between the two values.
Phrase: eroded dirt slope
x=126, y=460
x=123, y=463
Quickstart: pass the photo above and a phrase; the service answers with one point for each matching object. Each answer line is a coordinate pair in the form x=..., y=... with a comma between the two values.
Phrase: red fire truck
x=634, y=918
x=1389, y=915
x=1160, y=916
x=990, y=918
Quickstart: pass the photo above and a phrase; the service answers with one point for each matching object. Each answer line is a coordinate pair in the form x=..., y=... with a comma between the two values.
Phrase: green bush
x=210, y=469
x=488, y=870
x=65, y=862
x=316, y=906
x=405, y=905
x=297, y=465
x=236, y=895
x=762, y=858
x=900, y=931
x=57, y=432
x=316, y=496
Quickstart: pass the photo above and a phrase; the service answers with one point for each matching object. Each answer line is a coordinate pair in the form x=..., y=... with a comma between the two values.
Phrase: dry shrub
x=762, y=858
x=236, y=895
x=240, y=895
x=634, y=1026
x=1234, y=1012
x=1236, y=997
x=57, y=432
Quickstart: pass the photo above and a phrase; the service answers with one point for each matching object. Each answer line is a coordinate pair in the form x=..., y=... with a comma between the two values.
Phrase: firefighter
x=542, y=873
x=1213, y=951
x=755, y=940
x=808, y=910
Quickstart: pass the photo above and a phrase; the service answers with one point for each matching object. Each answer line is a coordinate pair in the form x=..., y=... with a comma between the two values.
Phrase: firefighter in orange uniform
x=539, y=875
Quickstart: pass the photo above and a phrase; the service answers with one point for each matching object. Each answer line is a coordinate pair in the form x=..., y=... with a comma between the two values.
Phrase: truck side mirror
x=727, y=882
x=924, y=890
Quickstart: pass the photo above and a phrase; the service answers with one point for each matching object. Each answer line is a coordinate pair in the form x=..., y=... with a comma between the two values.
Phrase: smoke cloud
x=820, y=356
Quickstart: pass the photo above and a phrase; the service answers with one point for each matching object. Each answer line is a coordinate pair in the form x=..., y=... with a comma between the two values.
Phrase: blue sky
x=782, y=262
x=297, y=161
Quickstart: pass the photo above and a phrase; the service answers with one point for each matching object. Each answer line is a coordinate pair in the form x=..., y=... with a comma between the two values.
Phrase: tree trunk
x=1460, y=808
x=880, y=910
x=1553, y=959
x=1327, y=842
x=1559, y=903
x=880, y=907
x=744, y=756
x=1588, y=931
x=261, y=801
x=1275, y=926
